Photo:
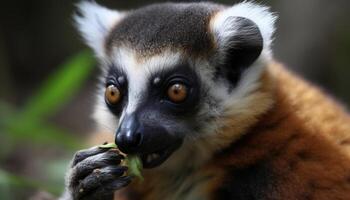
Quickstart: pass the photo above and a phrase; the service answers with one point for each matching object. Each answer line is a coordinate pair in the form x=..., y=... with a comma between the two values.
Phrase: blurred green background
x=47, y=79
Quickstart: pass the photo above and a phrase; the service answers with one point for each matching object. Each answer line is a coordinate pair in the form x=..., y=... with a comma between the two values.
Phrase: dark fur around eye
x=117, y=78
x=182, y=74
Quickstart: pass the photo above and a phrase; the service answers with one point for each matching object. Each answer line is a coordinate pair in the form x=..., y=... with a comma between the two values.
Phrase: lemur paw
x=96, y=173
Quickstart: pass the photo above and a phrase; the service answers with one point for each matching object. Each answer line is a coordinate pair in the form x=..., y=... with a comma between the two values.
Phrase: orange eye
x=177, y=92
x=112, y=95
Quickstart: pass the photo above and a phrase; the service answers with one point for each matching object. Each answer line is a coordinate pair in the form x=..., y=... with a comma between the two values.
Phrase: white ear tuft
x=260, y=15
x=94, y=23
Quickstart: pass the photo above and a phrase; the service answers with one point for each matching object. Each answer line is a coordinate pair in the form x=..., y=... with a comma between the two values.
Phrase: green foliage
x=133, y=162
x=12, y=180
x=29, y=124
x=59, y=88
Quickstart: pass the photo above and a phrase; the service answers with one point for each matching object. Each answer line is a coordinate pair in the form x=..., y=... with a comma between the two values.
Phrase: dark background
x=312, y=38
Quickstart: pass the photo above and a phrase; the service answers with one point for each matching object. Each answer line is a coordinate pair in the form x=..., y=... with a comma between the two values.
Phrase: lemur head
x=180, y=80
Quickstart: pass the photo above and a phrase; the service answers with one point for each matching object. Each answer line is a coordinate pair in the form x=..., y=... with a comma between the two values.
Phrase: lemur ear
x=94, y=23
x=241, y=33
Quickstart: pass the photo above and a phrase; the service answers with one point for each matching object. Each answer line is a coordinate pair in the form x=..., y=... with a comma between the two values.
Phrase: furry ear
x=241, y=33
x=94, y=23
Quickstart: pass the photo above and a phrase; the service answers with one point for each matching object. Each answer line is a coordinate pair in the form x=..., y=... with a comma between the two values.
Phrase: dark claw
x=99, y=178
x=85, y=167
x=83, y=154
x=120, y=183
x=96, y=173
x=107, y=190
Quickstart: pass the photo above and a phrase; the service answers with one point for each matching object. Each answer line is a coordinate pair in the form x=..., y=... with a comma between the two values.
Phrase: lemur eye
x=112, y=95
x=177, y=92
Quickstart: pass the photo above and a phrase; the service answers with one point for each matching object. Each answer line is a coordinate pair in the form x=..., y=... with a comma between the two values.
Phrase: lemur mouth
x=155, y=159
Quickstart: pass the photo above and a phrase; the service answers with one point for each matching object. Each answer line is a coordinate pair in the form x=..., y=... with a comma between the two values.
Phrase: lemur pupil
x=177, y=92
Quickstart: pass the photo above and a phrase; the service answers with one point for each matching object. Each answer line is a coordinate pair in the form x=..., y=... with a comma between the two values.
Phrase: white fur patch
x=223, y=28
x=94, y=23
x=139, y=71
x=106, y=121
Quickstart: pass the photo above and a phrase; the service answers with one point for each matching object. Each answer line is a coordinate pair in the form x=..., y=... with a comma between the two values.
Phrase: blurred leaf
x=7, y=179
x=60, y=87
x=6, y=111
x=6, y=114
x=32, y=130
x=55, y=92
x=38, y=132
x=56, y=169
x=5, y=192
x=29, y=124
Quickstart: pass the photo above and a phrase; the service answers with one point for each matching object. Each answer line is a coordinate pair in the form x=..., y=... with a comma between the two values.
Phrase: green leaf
x=34, y=131
x=8, y=179
x=135, y=166
x=107, y=146
x=133, y=162
x=29, y=124
x=6, y=113
x=41, y=133
x=60, y=87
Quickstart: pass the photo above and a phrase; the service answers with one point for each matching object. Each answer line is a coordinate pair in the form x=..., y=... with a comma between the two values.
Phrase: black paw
x=96, y=173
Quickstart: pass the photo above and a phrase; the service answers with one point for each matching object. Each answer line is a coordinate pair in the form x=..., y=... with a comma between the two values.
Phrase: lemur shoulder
x=193, y=89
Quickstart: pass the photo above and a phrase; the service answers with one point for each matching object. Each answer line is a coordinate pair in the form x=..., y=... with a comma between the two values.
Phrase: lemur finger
x=85, y=167
x=106, y=191
x=83, y=154
x=98, y=178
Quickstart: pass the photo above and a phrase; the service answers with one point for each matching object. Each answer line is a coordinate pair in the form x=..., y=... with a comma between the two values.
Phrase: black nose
x=129, y=135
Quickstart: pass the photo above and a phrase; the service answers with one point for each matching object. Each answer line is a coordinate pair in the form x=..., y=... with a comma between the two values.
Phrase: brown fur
x=304, y=139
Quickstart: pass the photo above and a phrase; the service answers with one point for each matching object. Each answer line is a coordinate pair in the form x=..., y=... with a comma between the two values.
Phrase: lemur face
x=173, y=72
x=156, y=99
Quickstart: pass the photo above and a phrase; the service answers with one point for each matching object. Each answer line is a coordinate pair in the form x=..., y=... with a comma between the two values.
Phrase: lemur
x=194, y=90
